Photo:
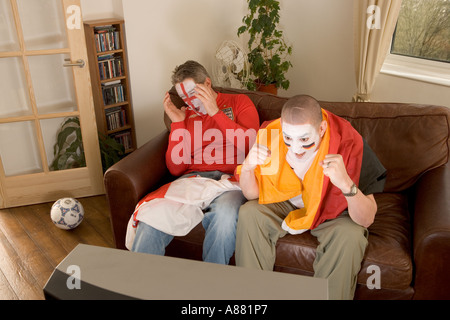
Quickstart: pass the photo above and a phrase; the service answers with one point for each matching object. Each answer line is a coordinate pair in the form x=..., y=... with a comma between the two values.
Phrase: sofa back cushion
x=408, y=139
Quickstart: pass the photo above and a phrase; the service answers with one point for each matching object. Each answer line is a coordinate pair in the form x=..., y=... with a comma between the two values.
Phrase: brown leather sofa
x=410, y=239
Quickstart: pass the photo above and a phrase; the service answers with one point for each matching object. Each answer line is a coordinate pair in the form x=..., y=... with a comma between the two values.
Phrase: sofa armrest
x=431, y=236
x=130, y=179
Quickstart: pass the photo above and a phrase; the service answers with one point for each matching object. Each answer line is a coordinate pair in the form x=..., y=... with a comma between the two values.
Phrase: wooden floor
x=31, y=246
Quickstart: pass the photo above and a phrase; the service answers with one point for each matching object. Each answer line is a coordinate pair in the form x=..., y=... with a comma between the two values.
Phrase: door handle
x=79, y=63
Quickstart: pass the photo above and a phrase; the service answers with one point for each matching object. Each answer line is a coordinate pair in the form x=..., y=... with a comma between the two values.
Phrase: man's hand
x=334, y=168
x=208, y=97
x=361, y=208
x=175, y=114
x=257, y=156
x=247, y=180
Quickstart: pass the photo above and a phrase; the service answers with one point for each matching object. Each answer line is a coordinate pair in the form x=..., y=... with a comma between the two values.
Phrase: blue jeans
x=219, y=222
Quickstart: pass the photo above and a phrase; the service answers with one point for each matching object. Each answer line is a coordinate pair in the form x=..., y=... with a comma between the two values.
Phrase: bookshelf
x=108, y=66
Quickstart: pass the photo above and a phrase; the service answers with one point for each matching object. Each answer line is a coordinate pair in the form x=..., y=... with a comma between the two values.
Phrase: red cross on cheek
x=187, y=100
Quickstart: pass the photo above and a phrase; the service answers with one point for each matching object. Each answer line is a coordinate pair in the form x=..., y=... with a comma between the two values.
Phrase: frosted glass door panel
x=63, y=143
x=19, y=148
x=14, y=98
x=8, y=35
x=43, y=24
x=53, y=84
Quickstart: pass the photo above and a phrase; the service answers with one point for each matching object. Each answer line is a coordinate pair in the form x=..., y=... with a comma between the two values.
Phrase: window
x=423, y=30
x=420, y=47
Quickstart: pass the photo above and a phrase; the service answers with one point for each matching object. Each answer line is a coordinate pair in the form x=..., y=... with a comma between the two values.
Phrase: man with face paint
x=212, y=112
x=324, y=181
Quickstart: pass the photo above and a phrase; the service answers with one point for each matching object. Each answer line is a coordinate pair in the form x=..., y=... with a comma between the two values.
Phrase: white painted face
x=186, y=90
x=301, y=140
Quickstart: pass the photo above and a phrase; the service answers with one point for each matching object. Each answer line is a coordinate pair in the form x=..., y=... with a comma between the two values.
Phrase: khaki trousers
x=342, y=244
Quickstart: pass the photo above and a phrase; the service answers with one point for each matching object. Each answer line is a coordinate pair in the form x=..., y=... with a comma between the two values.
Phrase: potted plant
x=268, y=49
x=111, y=151
x=69, y=151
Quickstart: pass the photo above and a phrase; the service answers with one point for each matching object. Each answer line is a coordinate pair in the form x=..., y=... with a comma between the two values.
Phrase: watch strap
x=353, y=191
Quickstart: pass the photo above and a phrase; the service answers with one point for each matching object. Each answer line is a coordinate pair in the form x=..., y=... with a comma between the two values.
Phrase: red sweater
x=204, y=143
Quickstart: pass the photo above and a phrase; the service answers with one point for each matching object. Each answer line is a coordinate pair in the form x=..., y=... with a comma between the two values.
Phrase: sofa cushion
x=389, y=246
x=390, y=242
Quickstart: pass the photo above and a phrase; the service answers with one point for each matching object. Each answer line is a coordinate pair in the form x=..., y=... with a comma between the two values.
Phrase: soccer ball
x=67, y=213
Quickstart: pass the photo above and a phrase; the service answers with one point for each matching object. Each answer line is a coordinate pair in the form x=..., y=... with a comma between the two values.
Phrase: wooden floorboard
x=31, y=246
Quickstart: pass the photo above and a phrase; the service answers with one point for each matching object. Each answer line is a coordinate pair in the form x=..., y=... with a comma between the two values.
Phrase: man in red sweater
x=209, y=138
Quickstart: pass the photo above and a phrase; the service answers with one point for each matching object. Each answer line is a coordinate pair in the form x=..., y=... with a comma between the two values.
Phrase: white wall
x=99, y=9
x=396, y=89
x=322, y=35
x=163, y=34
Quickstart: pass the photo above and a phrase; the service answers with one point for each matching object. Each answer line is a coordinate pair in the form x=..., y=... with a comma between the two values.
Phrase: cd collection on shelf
x=124, y=138
x=107, y=38
x=116, y=118
x=110, y=66
x=113, y=93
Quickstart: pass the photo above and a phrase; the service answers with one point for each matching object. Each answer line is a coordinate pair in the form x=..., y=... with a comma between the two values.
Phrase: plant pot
x=270, y=88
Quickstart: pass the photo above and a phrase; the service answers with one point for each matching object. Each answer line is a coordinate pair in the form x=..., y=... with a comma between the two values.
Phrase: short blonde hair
x=302, y=109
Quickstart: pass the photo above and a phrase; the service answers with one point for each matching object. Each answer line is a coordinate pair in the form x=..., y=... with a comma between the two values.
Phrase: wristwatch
x=353, y=191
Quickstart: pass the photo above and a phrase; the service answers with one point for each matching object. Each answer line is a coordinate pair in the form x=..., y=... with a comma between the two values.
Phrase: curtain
x=374, y=25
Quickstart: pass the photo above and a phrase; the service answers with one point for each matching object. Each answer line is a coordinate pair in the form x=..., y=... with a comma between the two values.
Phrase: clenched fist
x=257, y=156
x=334, y=168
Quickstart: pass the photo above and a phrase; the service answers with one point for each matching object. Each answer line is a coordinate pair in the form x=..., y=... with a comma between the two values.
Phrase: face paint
x=309, y=147
x=301, y=140
x=186, y=90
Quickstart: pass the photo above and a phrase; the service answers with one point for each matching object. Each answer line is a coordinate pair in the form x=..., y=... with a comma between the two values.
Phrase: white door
x=48, y=135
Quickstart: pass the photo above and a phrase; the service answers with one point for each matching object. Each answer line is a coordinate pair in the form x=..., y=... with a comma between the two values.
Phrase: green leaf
x=251, y=85
x=241, y=30
x=111, y=151
x=62, y=162
x=71, y=120
x=63, y=135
